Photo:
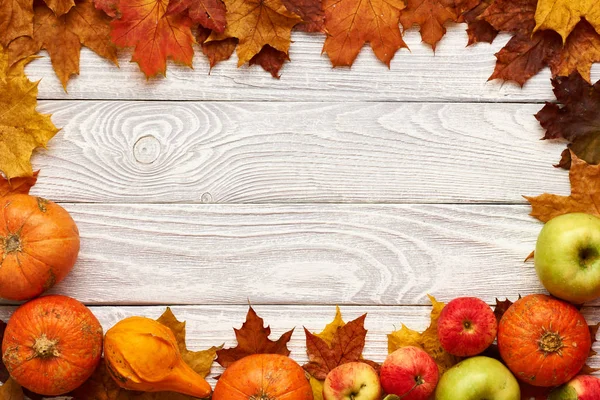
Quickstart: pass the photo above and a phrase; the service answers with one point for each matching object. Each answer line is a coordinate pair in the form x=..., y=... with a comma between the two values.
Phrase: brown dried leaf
x=311, y=12
x=338, y=344
x=478, y=29
x=208, y=13
x=16, y=19
x=253, y=338
x=11, y=391
x=501, y=307
x=271, y=60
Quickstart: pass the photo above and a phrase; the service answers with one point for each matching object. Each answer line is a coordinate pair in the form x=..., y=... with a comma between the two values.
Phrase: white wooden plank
x=302, y=152
x=212, y=325
x=300, y=254
x=455, y=73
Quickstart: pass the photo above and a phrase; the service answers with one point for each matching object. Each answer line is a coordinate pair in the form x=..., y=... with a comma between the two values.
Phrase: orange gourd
x=39, y=244
x=52, y=345
x=263, y=377
x=142, y=354
x=543, y=341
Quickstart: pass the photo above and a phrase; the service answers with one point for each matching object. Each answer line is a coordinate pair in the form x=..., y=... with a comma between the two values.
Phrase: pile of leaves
x=562, y=36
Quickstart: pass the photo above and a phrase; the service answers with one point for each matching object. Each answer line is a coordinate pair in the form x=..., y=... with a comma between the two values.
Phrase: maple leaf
x=562, y=15
x=338, y=344
x=22, y=128
x=584, y=197
x=60, y=7
x=218, y=50
x=108, y=6
x=311, y=12
x=428, y=340
x=271, y=60
x=524, y=56
x=17, y=185
x=253, y=338
x=156, y=36
x=478, y=29
x=101, y=386
x=16, y=19
x=352, y=23
x=575, y=118
x=256, y=23
x=63, y=36
x=432, y=15
x=208, y=13
x=11, y=391
x=515, y=16
x=501, y=307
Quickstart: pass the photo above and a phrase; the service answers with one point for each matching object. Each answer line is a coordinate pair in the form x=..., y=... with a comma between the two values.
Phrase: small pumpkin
x=543, y=341
x=263, y=377
x=52, y=345
x=39, y=244
x=142, y=354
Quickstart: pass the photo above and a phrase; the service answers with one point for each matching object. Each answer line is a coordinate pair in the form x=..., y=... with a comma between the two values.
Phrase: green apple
x=567, y=257
x=478, y=378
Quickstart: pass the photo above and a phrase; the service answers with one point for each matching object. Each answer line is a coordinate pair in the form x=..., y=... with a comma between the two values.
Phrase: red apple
x=352, y=381
x=582, y=387
x=467, y=326
x=409, y=373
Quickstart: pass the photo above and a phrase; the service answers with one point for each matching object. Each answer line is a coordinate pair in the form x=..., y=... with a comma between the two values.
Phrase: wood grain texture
x=455, y=73
x=300, y=254
x=212, y=325
x=157, y=152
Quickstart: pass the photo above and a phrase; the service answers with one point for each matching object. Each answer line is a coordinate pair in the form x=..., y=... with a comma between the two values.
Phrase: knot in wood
x=146, y=150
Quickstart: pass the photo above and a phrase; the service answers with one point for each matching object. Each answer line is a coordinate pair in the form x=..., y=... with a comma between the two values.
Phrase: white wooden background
x=364, y=187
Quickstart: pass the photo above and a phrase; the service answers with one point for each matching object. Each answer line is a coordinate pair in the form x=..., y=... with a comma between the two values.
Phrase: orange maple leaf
x=17, y=185
x=352, y=23
x=584, y=197
x=60, y=7
x=63, y=36
x=311, y=12
x=257, y=23
x=155, y=35
x=16, y=19
x=432, y=15
x=253, y=338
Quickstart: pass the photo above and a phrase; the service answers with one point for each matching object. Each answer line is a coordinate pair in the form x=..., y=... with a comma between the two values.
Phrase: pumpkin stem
x=45, y=348
x=261, y=396
x=12, y=243
x=550, y=342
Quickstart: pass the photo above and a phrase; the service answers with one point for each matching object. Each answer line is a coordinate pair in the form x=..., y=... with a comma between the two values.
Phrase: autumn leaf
x=11, y=391
x=256, y=23
x=432, y=15
x=311, y=12
x=63, y=36
x=17, y=185
x=22, y=128
x=156, y=36
x=60, y=7
x=208, y=13
x=108, y=6
x=253, y=338
x=581, y=50
x=428, y=340
x=16, y=19
x=478, y=29
x=501, y=307
x=515, y=16
x=338, y=344
x=574, y=118
x=584, y=197
x=562, y=15
x=101, y=386
x=271, y=60
x=352, y=23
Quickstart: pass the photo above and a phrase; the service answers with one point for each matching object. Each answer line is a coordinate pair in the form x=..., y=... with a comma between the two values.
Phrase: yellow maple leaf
x=200, y=361
x=428, y=340
x=22, y=128
x=562, y=15
x=584, y=197
x=257, y=23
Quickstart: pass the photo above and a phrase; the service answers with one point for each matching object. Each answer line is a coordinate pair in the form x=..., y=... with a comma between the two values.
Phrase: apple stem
x=418, y=382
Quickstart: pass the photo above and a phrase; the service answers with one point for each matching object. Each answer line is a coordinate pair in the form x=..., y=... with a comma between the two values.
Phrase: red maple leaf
x=253, y=338
x=208, y=13
x=155, y=35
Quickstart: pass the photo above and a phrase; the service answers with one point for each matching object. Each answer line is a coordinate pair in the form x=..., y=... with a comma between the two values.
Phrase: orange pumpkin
x=52, y=345
x=39, y=243
x=544, y=341
x=263, y=377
